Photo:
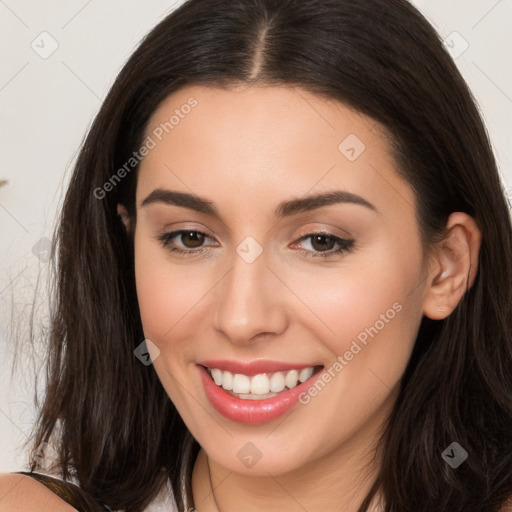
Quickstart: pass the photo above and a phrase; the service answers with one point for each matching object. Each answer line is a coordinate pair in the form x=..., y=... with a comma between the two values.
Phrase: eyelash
x=345, y=246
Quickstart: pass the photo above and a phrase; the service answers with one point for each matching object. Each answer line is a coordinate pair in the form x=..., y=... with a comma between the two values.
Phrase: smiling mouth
x=262, y=385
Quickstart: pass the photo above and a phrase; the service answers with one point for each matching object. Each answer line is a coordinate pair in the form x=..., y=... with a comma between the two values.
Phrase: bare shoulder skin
x=20, y=493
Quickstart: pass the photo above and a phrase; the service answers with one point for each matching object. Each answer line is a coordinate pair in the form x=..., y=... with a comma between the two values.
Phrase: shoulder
x=21, y=493
x=507, y=507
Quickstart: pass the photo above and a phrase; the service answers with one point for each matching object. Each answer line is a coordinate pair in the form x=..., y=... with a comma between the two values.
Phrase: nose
x=250, y=302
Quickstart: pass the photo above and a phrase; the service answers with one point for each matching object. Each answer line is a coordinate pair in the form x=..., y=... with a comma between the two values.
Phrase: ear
x=123, y=213
x=454, y=265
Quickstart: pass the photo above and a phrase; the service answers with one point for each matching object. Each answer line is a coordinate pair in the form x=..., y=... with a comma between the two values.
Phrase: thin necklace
x=211, y=484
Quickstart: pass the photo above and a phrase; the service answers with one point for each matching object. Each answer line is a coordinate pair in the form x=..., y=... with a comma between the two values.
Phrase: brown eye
x=192, y=239
x=322, y=242
x=184, y=241
x=325, y=245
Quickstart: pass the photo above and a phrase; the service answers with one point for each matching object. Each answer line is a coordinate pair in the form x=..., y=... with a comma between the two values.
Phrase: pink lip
x=254, y=367
x=252, y=411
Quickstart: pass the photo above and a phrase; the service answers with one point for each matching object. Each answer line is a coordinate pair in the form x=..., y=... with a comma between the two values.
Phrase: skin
x=247, y=149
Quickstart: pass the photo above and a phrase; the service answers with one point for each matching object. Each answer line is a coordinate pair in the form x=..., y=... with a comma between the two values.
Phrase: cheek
x=175, y=303
x=368, y=311
x=367, y=317
x=166, y=293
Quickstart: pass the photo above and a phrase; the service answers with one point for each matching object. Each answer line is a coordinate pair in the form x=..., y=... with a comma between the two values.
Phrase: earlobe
x=455, y=264
x=123, y=213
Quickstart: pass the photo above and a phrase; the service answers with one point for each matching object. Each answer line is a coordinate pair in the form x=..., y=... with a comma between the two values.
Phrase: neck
x=339, y=480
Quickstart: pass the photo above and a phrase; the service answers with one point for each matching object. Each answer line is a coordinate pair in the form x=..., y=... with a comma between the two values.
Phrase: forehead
x=262, y=142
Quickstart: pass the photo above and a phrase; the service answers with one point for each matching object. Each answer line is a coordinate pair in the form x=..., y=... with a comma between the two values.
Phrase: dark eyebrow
x=308, y=203
x=284, y=209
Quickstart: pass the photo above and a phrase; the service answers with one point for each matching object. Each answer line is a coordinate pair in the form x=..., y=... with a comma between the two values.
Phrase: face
x=258, y=280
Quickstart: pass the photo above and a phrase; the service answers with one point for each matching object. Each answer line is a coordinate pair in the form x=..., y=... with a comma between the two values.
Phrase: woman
x=284, y=273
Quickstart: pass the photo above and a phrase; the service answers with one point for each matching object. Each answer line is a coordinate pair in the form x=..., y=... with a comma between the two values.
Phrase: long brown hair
x=119, y=433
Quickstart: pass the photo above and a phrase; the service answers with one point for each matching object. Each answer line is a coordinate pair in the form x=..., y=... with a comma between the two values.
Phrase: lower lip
x=252, y=411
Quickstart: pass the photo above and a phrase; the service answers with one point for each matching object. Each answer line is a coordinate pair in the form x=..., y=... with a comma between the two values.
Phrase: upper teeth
x=262, y=383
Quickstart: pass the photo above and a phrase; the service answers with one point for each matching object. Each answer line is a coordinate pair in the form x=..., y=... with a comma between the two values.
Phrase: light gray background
x=47, y=105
